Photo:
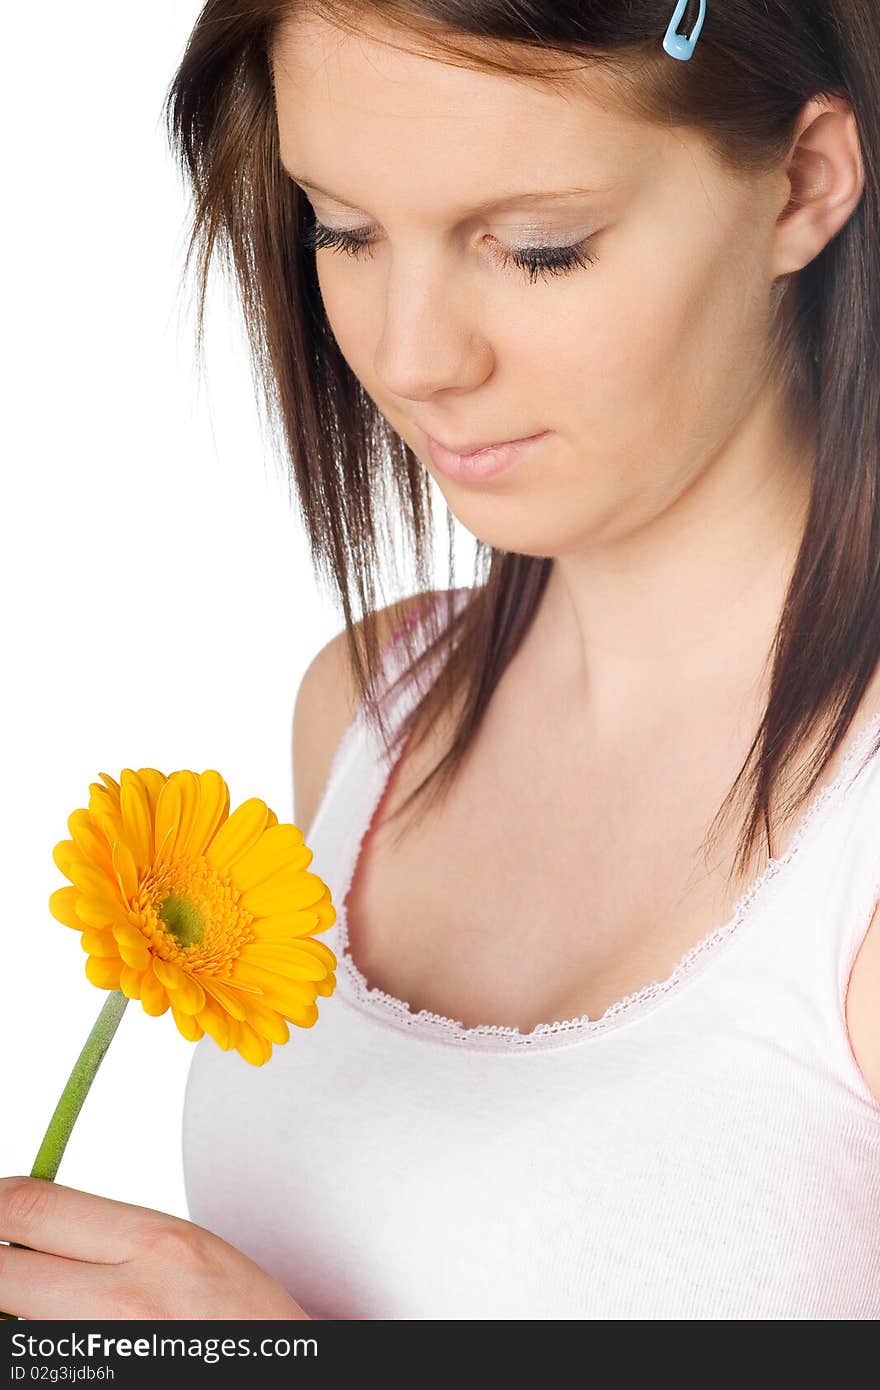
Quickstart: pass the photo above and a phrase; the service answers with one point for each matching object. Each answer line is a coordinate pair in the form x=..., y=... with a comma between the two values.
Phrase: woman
x=599, y=1047
x=574, y=1068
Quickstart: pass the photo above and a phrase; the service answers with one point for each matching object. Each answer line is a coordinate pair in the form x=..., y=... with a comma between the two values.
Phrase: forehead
x=351, y=107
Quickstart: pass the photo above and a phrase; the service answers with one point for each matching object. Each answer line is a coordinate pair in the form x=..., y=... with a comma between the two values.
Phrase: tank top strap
x=394, y=655
x=359, y=768
x=790, y=975
x=844, y=883
x=839, y=865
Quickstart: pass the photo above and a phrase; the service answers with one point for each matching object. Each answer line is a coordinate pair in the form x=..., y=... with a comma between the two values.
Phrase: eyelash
x=533, y=260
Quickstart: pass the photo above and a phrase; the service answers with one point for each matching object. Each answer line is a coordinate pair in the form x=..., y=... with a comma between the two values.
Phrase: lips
x=480, y=465
x=467, y=450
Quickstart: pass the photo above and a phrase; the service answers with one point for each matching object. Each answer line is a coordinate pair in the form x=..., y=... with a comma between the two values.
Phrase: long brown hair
x=756, y=64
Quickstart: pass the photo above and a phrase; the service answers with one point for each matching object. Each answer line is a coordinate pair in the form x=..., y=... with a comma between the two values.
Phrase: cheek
x=636, y=352
x=348, y=307
x=651, y=351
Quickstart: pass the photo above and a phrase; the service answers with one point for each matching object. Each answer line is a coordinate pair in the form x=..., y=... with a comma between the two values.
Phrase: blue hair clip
x=681, y=46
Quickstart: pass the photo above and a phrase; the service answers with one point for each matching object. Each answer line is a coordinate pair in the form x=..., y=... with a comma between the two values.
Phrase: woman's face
x=640, y=363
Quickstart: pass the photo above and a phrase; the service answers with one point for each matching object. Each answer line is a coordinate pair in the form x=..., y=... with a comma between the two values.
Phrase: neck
x=684, y=607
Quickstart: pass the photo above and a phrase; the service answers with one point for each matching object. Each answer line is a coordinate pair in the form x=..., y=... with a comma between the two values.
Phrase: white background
x=159, y=607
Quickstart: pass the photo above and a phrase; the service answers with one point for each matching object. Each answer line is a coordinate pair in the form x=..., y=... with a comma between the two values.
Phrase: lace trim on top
x=563, y=1032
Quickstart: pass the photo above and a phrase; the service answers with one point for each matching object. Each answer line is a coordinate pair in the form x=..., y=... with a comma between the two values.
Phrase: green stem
x=84, y=1072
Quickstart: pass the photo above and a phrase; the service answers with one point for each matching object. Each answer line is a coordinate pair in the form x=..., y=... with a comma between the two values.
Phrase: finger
x=64, y=1221
x=34, y=1285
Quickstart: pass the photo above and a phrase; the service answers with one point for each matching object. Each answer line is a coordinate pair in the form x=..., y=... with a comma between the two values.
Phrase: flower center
x=182, y=919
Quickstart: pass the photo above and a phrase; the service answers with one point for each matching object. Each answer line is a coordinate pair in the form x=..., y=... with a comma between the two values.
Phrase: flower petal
x=215, y=1022
x=326, y=912
x=137, y=957
x=237, y=834
x=278, y=848
x=171, y=975
x=277, y=991
x=228, y=999
x=186, y=993
x=286, y=925
x=154, y=998
x=286, y=958
x=130, y=982
x=66, y=854
x=62, y=905
x=190, y=798
x=178, y=806
x=295, y=889
x=303, y=948
x=90, y=840
x=104, y=810
x=152, y=782
x=98, y=943
x=137, y=823
x=133, y=947
x=96, y=912
x=104, y=972
x=251, y=1046
x=88, y=879
x=126, y=871
x=266, y=1021
x=187, y=1025
x=129, y=933
x=212, y=812
x=168, y=812
x=304, y=1016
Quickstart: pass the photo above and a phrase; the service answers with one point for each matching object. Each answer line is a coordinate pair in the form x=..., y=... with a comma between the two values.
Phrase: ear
x=825, y=177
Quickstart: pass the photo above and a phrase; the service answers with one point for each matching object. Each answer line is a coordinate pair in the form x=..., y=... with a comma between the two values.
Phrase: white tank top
x=707, y=1148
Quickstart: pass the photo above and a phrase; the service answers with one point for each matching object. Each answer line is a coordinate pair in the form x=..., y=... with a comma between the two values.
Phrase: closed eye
x=534, y=261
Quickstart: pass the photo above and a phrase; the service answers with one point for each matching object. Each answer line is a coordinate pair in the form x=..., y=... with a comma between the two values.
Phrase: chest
x=547, y=885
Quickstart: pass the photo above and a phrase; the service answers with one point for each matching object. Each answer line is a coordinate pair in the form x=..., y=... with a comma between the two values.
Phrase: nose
x=430, y=338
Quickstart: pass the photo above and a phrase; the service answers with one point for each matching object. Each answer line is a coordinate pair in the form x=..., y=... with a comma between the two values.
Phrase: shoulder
x=325, y=705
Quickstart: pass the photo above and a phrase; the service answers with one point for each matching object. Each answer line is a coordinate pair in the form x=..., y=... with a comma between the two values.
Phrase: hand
x=90, y=1257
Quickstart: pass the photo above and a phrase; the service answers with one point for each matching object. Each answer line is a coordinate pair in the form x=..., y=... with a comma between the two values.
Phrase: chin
x=518, y=540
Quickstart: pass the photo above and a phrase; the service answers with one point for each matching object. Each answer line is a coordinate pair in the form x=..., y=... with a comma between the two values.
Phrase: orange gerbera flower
x=182, y=905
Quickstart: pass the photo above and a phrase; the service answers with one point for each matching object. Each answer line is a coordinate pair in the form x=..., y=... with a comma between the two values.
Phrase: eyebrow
x=505, y=200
